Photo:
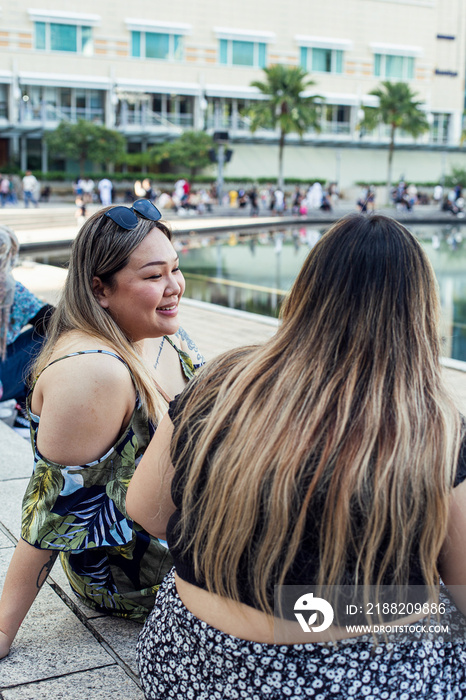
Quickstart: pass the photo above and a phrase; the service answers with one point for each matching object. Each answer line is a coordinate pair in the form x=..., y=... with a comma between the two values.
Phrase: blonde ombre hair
x=102, y=251
x=342, y=412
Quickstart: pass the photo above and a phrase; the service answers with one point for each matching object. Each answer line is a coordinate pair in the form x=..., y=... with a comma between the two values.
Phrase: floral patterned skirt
x=181, y=656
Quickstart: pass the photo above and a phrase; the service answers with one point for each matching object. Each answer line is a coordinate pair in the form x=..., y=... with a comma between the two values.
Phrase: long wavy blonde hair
x=342, y=413
x=102, y=251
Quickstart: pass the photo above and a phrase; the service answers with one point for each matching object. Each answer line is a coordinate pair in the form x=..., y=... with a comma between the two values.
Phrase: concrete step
x=22, y=219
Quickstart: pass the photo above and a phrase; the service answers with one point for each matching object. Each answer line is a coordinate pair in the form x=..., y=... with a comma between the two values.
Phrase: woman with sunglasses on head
x=329, y=455
x=114, y=358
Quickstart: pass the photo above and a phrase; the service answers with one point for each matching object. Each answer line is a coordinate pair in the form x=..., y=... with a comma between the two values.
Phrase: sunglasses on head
x=126, y=218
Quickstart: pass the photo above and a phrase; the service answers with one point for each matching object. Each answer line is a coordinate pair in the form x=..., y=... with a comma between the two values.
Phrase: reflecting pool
x=254, y=270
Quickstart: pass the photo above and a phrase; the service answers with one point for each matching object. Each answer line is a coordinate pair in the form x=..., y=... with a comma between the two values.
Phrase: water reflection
x=253, y=271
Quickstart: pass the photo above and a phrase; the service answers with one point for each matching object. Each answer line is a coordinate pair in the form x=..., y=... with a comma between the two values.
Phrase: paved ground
x=64, y=650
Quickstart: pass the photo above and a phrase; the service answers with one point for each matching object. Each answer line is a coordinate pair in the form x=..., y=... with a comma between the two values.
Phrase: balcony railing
x=336, y=128
x=143, y=118
x=147, y=118
x=43, y=113
x=438, y=137
x=232, y=123
x=383, y=134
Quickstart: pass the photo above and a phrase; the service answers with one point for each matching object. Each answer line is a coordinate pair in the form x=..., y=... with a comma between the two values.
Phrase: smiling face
x=143, y=299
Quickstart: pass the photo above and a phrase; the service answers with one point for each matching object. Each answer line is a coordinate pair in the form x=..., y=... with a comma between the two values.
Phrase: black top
x=304, y=569
x=42, y=319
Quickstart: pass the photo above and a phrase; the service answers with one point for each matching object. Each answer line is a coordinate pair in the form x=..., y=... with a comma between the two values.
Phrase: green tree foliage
x=189, y=151
x=463, y=129
x=398, y=109
x=284, y=106
x=136, y=161
x=86, y=141
x=457, y=176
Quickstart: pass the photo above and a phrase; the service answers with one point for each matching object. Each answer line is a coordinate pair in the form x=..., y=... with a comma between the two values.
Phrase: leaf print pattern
x=193, y=349
x=43, y=488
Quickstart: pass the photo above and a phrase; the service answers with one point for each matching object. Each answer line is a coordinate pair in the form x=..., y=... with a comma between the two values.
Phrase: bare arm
x=453, y=554
x=29, y=567
x=148, y=500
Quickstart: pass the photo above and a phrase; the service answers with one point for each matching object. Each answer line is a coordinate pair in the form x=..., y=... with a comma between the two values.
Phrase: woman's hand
x=4, y=645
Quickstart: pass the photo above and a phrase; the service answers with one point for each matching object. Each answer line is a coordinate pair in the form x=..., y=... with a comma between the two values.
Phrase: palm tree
x=284, y=106
x=398, y=109
x=463, y=129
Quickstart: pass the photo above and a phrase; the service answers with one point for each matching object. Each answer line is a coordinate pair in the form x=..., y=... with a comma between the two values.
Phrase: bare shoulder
x=84, y=402
x=81, y=372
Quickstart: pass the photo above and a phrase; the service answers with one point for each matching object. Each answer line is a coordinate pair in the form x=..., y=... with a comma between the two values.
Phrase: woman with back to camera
x=330, y=454
x=102, y=383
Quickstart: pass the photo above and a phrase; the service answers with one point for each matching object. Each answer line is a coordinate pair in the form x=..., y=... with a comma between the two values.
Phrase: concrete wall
x=346, y=165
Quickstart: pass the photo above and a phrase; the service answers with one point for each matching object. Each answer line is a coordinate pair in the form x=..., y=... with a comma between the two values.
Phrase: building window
x=167, y=47
x=389, y=66
x=233, y=52
x=320, y=60
x=40, y=35
x=227, y=113
x=135, y=44
x=336, y=119
x=3, y=102
x=51, y=36
x=440, y=128
x=42, y=103
x=155, y=109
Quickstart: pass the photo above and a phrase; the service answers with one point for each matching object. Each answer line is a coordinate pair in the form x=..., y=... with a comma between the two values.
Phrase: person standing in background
x=87, y=190
x=105, y=188
x=30, y=185
x=4, y=190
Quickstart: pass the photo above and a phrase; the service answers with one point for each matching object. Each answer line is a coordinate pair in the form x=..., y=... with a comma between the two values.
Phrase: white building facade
x=152, y=70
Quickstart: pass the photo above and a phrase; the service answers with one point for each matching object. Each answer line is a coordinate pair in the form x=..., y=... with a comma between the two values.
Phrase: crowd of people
x=405, y=196
x=185, y=199
x=453, y=201
x=13, y=188
x=300, y=201
x=330, y=455
x=182, y=199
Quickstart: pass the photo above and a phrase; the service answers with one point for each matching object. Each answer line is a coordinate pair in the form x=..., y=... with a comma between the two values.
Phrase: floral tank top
x=112, y=564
